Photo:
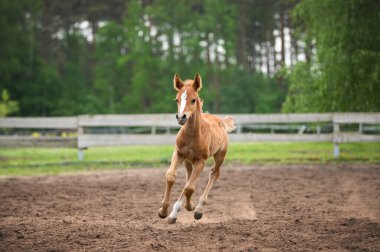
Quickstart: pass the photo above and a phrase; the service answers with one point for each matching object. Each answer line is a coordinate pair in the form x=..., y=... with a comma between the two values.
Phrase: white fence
x=161, y=128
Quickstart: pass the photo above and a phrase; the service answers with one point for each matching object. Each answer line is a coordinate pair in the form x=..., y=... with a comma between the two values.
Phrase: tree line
x=255, y=56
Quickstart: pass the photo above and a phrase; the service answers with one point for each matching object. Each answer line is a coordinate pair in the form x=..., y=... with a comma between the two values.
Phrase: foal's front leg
x=189, y=169
x=171, y=175
x=187, y=191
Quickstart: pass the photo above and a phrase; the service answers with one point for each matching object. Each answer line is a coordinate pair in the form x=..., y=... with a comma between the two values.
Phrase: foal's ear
x=178, y=84
x=197, y=84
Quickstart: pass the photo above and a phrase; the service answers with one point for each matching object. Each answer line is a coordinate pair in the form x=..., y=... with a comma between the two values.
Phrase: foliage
x=256, y=93
x=84, y=57
x=67, y=58
x=345, y=75
x=6, y=105
x=303, y=95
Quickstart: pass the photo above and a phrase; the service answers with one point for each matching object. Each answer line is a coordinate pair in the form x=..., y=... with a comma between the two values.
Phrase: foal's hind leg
x=214, y=174
x=171, y=175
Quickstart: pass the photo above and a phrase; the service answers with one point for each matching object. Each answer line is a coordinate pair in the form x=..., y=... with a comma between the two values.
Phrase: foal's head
x=187, y=97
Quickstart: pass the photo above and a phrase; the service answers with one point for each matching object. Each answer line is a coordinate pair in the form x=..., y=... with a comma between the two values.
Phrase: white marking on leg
x=177, y=207
x=183, y=102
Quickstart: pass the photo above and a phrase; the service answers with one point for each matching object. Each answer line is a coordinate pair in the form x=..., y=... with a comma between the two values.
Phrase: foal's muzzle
x=181, y=118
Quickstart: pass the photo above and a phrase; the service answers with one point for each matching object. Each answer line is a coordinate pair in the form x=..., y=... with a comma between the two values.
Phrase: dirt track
x=298, y=208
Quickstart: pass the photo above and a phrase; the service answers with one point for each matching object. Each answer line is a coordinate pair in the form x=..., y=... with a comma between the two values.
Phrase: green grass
x=38, y=161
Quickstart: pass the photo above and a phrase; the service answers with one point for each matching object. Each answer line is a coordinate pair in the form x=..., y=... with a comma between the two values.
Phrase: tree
x=347, y=69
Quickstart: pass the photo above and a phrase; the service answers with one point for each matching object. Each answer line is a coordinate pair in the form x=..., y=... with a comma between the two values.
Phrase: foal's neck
x=195, y=122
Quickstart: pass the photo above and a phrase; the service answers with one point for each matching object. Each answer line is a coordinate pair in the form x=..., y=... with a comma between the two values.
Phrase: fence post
x=239, y=129
x=80, y=150
x=336, y=140
x=80, y=154
x=153, y=131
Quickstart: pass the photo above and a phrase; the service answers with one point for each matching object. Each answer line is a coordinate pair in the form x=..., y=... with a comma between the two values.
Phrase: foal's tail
x=229, y=124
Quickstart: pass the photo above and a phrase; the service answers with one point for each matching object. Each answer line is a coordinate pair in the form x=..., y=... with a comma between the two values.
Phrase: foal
x=200, y=137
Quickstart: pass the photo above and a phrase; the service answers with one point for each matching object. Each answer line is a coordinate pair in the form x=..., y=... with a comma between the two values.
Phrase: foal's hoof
x=189, y=207
x=162, y=215
x=198, y=215
x=172, y=220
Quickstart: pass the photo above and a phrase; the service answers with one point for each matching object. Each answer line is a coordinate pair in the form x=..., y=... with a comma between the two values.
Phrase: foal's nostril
x=183, y=117
x=176, y=116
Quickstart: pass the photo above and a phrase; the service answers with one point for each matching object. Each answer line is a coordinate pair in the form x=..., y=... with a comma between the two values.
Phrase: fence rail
x=39, y=122
x=166, y=123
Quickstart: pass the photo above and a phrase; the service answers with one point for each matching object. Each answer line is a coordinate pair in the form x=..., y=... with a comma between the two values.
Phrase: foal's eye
x=193, y=101
x=176, y=100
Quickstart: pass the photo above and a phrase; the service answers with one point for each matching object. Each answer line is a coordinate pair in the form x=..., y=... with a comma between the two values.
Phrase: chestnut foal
x=201, y=136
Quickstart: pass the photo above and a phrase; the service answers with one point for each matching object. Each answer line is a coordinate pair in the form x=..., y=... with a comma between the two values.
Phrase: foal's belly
x=210, y=145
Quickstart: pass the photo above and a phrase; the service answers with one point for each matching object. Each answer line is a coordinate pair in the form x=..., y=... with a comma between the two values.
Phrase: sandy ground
x=258, y=208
